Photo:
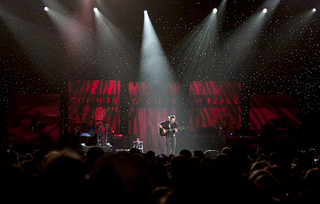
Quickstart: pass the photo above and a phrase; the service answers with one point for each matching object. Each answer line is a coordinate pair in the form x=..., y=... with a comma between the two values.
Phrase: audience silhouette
x=134, y=177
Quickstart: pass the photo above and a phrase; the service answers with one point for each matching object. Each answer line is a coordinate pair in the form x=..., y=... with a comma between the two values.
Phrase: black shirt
x=168, y=125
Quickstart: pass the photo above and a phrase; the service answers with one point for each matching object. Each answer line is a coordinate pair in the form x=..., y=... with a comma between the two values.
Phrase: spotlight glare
x=314, y=10
x=215, y=10
x=46, y=8
x=265, y=10
x=145, y=12
x=95, y=9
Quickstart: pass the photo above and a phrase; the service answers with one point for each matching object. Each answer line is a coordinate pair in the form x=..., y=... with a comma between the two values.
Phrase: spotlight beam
x=112, y=45
x=154, y=66
x=53, y=6
x=25, y=32
x=241, y=42
x=221, y=11
x=200, y=51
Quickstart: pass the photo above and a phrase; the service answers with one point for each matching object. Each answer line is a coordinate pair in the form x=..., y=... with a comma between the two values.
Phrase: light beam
x=154, y=66
x=117, y=55
x=31, y=38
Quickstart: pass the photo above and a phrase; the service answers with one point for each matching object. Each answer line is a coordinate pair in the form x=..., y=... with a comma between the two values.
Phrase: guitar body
x=162, y=133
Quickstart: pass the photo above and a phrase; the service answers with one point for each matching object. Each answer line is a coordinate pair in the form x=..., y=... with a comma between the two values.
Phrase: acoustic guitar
x=162, y=133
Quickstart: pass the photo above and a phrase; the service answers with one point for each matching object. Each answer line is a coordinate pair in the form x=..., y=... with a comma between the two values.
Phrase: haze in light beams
x=116, y=54
x=154, y=65
x=198, y=54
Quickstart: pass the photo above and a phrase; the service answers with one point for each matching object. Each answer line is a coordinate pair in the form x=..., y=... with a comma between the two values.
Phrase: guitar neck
x=170, y=129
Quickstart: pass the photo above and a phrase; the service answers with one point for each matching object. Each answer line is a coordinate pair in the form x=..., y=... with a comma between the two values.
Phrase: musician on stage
x=169, y=127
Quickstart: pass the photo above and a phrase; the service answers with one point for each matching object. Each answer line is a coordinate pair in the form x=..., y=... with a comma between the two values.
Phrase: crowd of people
x=232, y=176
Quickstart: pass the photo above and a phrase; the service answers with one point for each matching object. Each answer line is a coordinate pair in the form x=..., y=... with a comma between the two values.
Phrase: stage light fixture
x=46, y=8
x=215, y=10
x=95, y=9
x=265, y=10
x=145, y=12
x=314, y=10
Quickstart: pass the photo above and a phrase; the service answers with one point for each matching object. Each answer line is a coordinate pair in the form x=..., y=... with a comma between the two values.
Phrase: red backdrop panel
x=149, y=106
x=94, y=102
x=215, y=104
x=266, y=107
x=32, y=116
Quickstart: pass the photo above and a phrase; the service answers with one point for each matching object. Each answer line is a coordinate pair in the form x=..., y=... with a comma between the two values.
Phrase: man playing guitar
x=169, y=128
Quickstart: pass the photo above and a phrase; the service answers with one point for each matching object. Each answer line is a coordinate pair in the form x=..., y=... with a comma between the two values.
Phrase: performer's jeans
x=170, y=144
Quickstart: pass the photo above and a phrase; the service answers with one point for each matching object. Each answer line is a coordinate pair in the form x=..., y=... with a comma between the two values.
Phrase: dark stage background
x=62, y=53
